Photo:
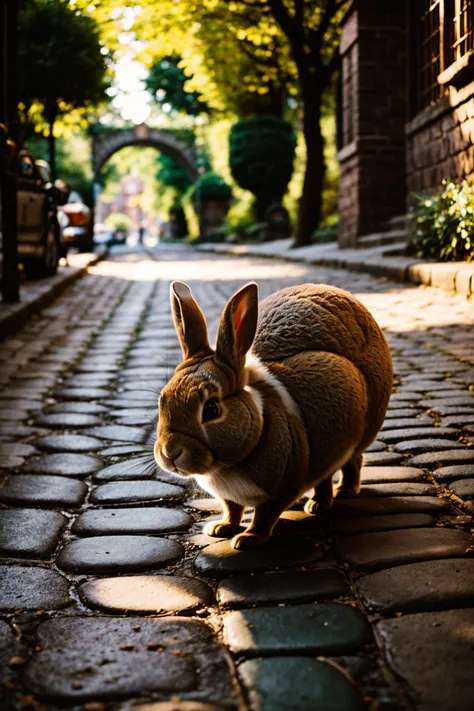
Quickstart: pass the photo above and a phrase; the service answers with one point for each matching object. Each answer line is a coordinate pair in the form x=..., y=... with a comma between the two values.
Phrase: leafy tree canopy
x=166, y=83
x=232, y=70
x=61, y=65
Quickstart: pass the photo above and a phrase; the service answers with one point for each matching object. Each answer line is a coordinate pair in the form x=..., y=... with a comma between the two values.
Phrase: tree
x=280, y=39
x=216, y=62
x=262, y=151
x=311, y=28
x=62, y=67
x=166, y=83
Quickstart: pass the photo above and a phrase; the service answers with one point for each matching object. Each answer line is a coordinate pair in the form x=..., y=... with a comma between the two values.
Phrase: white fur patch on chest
x=233, y=486
x=255, y=364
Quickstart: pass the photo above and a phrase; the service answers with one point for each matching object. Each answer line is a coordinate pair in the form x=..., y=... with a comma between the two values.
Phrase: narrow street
x=111, y=595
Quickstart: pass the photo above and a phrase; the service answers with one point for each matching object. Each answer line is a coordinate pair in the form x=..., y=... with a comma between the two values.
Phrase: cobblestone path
x=111, y=595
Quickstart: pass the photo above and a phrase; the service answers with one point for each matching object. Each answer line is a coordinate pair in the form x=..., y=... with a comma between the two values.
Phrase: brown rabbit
x=273, y=411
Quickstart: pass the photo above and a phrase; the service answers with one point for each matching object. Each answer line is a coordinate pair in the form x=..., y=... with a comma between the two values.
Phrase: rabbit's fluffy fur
x=293, y=395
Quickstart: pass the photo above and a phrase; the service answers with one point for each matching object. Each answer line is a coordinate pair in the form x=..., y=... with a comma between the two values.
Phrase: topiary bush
x=444, y=223
x=212, y=187
x=261, y=155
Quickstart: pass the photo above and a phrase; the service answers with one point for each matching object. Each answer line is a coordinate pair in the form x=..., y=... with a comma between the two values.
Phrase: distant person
x=141, y=234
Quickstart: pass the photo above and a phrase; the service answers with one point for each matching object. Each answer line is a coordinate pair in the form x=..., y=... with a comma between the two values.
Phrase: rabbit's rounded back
x=317, y=317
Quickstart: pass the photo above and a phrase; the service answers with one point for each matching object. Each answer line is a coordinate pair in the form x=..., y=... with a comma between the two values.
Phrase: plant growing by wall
x=444, y=223
x=262, y=150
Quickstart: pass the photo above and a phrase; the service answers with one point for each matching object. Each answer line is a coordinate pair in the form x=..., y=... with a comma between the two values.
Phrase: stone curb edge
x=17, y=316
x=455, y=276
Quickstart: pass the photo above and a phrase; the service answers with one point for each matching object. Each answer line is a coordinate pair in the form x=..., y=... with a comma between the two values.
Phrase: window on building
x=461, y=40
x=442, y=33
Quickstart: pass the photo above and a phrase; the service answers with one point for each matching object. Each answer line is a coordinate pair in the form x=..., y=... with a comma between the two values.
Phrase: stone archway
x=106, y=144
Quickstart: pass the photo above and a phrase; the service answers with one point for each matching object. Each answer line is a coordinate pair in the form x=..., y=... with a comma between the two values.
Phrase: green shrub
x=444, y=223
x=118, y=221
x=212, y=187
x=261, y=155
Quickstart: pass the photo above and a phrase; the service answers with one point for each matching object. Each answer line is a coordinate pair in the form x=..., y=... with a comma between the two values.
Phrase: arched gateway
x=106, y=144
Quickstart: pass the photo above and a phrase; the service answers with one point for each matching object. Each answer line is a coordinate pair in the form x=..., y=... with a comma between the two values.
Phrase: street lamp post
x=8, y=117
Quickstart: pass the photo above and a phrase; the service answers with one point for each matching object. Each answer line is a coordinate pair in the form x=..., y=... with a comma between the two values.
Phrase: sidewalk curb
x=16, y=315
x=455, y=277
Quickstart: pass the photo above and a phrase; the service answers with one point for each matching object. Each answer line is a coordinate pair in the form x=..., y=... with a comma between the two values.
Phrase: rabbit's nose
x=171, y=450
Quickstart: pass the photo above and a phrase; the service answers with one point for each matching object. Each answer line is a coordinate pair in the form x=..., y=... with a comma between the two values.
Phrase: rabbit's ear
x=237, y=326
x=189, y=321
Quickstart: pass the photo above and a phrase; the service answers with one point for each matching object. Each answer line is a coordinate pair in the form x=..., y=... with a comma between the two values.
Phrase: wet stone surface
x=69, y=443
x=89, y=658
x=221, y=560
x=23, y=588
x=367, y=524
x=146, y=594
x=34, y=489
x=68, y=419
x=382, y=475
x=29, y=533
x=310, y=684
x=430, y=585
x=417, y=644
x=120, y=554
x=325, y=628
x=126, y=520
x=135, y=491
x=372, y=551
x=455, y=471
x=118, y=433
x=274, y=588
x=63, y=464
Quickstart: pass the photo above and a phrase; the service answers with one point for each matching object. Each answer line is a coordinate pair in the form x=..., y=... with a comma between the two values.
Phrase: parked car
x=102, y=235
x=39, y=234
x=78, y=233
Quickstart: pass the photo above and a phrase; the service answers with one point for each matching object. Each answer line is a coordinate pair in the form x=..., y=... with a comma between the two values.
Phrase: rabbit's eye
x=211, y=410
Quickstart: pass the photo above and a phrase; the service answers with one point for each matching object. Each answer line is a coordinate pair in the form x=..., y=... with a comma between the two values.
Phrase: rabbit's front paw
x=220, y=529
x=245, y=540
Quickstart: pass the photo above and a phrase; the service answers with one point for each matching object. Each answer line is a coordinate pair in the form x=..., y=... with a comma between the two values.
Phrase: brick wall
x=440, y=143
x=373, y=181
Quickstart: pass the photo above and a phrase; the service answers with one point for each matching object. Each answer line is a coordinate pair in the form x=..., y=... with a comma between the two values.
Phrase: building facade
x=406, y=118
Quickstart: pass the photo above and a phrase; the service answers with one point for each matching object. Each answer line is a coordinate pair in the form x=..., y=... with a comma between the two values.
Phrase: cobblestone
x=135, y=491
x=127, y=554
x=431, y=585
x=372, y=551
x=310, y=684
x=417, y=644
x=220, y=559
x=32, y=589
x=89, y=658
x=35, y=489
x=325, y=628
x=146, y=594
x=131, y=520
x=274, y=588
x=63, y=464
x=29, y=533
x=91, y=366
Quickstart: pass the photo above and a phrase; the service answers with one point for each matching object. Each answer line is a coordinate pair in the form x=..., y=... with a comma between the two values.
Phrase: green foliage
x=61, y=66
x=212, y=187
x=118, y=221
x=166, y=83
x=444, y=223
x=262, y=151
x=172, y=175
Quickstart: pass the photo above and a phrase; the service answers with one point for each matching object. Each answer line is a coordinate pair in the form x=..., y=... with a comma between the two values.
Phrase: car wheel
x=47, y=264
